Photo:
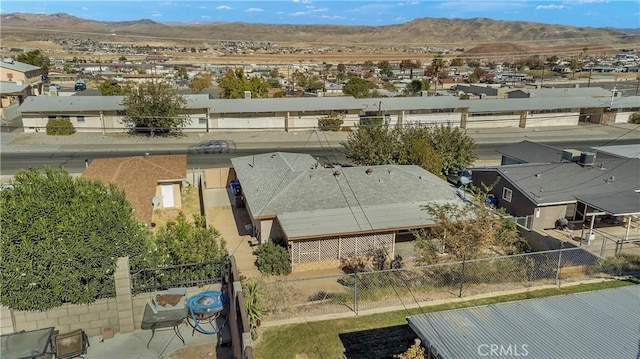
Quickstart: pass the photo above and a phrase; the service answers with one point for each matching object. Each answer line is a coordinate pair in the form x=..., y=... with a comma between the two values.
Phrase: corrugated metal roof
x=532, y=104
x=18, y=66
x=598, y=324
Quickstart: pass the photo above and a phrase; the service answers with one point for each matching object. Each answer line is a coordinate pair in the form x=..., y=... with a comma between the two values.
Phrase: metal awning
x=619, y=204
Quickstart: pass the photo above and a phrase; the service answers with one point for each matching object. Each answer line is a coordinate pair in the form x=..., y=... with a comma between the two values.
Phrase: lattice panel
x=308, y=251
x=385, y=240
x=329, y=248
x=366, y=244
x=347, y=247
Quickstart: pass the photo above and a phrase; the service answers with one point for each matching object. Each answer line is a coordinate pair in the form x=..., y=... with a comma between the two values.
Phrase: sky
x=586, y=13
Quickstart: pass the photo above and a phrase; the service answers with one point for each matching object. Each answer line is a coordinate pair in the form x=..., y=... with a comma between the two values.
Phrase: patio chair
x=70, y=345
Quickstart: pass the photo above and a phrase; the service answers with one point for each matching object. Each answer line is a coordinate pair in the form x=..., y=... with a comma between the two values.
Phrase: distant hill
x=419, y=32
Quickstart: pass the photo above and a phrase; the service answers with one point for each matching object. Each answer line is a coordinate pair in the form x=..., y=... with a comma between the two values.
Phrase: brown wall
x=218, y=177
x=519, y=206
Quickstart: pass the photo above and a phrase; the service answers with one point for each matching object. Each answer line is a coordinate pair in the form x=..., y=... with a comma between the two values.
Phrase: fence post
x=559, y=264
x=464, y=262
x=355, y=293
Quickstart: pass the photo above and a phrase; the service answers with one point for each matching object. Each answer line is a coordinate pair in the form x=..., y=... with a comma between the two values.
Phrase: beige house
x=150, y=182
x=21, y=73
x=98, y=113
x=324, y=215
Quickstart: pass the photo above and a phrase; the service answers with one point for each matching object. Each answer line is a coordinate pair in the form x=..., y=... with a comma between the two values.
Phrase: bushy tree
x=60, y=127
x=331, y=122
x=234, y=83
x=468, y=230
x=371, y=144
x=35, y=58
x=201, y=82
x=61, y=237
x=273, y=259
x=416, y=86
x=455, y=147
x=356, y=87
x=439, y=148
x=155, y=108
x=182, y=241
x=112, y=88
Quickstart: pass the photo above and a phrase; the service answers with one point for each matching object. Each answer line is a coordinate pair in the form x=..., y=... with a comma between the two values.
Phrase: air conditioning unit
x=570, y=155
x=587, y=159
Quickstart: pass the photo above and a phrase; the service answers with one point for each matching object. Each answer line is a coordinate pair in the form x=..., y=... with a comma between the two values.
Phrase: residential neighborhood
x=451, y=204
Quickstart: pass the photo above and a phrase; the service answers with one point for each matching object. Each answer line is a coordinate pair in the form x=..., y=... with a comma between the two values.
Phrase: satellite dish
x=464, y=180
x=155, y=201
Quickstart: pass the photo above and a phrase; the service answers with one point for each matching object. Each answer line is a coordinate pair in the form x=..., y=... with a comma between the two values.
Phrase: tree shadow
x=379, y=343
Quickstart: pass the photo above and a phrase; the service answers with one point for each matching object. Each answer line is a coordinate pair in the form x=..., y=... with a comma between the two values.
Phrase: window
x=506, y=194
x=202, y=120
x=80, y=119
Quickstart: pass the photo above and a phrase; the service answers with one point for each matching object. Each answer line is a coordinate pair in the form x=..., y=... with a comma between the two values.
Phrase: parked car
x=460, y=177
x=214, y=146
x=56, y=86
x=80, y=86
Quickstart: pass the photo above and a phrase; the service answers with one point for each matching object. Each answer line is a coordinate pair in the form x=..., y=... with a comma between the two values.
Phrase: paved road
x=74, y=161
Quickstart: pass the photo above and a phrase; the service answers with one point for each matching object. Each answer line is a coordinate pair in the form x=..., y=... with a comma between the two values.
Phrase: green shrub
x=60, y=127
x=332, y=122
x=635, y=118
x=273, y=259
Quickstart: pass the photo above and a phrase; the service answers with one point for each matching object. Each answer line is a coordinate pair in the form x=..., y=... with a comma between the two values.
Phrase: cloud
x=583, y=2
x=224, y=7
x=84, y=8
x=202, y=7
x=372, y=7
x=309, y=12
x=156, y=14
x=253, y=9
x=205, y=17
x=302, y=1
x=477, y=6
x=550, y=7
x=332, y=17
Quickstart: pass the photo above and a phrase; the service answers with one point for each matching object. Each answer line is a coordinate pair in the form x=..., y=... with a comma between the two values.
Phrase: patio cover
x=616, y=204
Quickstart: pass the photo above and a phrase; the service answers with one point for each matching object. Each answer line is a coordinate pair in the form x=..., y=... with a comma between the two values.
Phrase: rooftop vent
x=570, y=155
x=336, y=174
x=369, y=171
x=587, y=159
x=538, y=175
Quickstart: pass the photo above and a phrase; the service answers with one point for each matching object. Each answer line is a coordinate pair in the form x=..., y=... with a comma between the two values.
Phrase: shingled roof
x=138, y=177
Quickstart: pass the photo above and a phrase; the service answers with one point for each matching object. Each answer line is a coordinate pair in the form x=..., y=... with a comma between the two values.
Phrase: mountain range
x=436, y=32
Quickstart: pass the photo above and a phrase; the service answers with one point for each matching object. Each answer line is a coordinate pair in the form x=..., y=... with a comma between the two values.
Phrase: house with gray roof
x=578, y=191
x=529, y=152
x=624, y=108
x=328, y=214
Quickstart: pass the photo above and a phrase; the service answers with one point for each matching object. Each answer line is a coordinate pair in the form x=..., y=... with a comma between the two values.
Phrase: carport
x=623, y=205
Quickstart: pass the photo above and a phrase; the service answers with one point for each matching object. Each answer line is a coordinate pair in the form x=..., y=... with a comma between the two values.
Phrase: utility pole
x=590, y=71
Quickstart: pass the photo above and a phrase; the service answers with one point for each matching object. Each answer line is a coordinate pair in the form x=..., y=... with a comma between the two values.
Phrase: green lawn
x=321, y=340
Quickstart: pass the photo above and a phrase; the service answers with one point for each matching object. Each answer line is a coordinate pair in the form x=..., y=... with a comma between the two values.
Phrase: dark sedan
x=214, y=146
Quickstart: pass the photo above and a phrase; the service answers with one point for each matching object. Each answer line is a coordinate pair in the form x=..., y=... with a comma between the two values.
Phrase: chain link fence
x=363, y=291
